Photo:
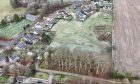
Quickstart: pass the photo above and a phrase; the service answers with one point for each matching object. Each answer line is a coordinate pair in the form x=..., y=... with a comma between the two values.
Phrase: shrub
x=128, y=75
x=3, y=23
x=47, y=37
x=117, y=75
x=16, y=18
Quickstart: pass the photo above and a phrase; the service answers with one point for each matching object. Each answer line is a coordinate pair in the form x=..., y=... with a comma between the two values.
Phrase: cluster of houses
x=89, y=8
x=32, y=35
x=28, y=39
x=53, y=19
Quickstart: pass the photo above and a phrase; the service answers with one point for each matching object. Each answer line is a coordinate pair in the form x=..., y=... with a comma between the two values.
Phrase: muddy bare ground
x=126, y=36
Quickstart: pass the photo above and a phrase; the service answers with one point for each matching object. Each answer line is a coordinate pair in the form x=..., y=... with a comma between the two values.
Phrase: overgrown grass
x=81, y=33
x=13, y=29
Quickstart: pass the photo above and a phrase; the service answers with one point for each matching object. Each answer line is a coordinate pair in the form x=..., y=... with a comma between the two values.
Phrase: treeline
x=80, y=62
x=39, y=6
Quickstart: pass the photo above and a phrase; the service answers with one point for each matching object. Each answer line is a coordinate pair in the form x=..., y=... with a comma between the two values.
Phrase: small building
x=20, y=79
x=36, y=31
x=30, y=17
x=64, y=15
x=20, y=46
x=81, y=16
x=31, y=39
x=15, y=57
x=2, y=59
x=28, y=37
x=31, y=80
x=107, y=6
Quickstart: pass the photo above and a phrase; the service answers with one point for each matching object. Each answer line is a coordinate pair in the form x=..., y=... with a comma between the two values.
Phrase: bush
x=3, y=23
x=16, y=18
x=47, y=37
x=117, y=75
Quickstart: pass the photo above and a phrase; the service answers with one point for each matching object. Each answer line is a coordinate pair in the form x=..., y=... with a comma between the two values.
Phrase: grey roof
x=15, y=57
x=30, y=17
x=20, y=78
x=21, y=45
x=2, y=57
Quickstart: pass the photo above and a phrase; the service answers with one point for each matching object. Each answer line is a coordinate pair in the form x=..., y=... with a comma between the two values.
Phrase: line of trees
x=81, y=62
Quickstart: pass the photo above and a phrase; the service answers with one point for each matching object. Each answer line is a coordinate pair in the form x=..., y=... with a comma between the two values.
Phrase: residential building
x=30, y=17
x=81, y=16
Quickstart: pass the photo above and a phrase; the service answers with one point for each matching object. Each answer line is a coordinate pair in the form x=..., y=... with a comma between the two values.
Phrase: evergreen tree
x=3, y=23
x=16, y=18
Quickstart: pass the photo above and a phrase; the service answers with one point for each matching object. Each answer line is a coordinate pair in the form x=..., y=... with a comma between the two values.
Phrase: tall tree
x=15, y=3
x=3, y=23
x=16, y=18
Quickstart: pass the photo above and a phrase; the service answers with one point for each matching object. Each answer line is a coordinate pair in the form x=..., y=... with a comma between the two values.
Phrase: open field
x=6, y=9
x=82, y=33
x=126, y=36
x=78, y=39
x=13, y=29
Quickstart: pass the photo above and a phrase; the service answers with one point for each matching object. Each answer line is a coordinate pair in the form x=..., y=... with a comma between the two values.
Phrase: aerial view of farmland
x=69, y=42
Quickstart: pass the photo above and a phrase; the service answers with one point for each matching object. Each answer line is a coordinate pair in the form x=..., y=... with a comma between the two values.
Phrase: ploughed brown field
x=126, y=36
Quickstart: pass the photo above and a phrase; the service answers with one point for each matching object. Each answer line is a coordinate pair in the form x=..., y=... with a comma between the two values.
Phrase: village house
x=30, y=17
x=20, y=79
x=107, y=6
x=86, y=10
x=31, y=39
x=20, y=46
x=36, y=31
x=15, y=57
x=81, y=16
x=64, y=15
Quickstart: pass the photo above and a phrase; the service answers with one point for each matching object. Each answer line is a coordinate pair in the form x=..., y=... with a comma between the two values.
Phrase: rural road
x=126, y=36
x=92, y=79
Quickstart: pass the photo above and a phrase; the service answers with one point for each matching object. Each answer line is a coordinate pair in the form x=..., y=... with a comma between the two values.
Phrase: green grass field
x=6, y=9
x=82, y=33
x=13, y=29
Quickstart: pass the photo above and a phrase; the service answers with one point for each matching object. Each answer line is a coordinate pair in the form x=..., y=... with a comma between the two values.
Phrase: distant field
x=6, y=9
x=81, y=33
x=13, y=29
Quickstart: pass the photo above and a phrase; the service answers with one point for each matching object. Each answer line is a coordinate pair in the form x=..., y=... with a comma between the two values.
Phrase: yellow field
x=6, y=9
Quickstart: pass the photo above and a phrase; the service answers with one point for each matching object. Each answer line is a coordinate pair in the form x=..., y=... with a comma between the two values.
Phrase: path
x=53, y=72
